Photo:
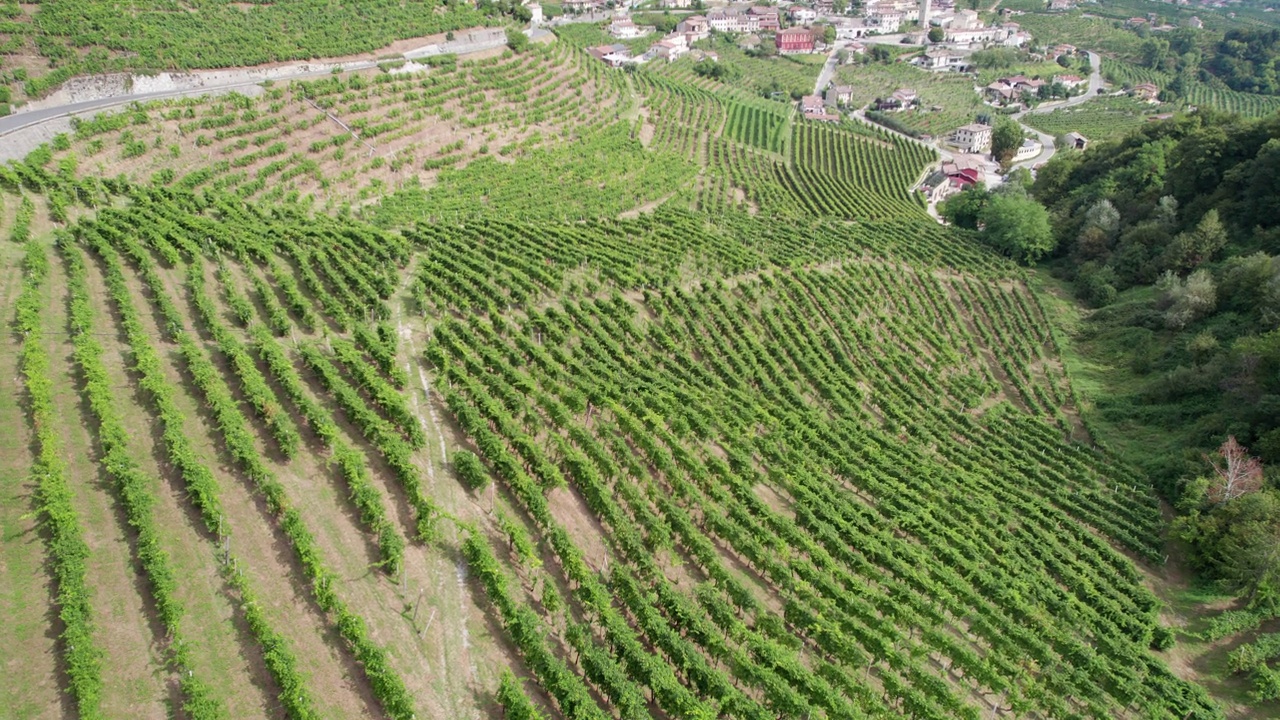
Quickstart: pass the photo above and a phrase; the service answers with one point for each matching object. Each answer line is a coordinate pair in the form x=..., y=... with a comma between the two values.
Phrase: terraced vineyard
x=1198, y=93
x=1099, y=119
x=682, y=409
x=357, y=135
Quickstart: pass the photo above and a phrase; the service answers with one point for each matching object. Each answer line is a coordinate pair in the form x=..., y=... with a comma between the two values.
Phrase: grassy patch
x=1104, y=118
x=947, y=100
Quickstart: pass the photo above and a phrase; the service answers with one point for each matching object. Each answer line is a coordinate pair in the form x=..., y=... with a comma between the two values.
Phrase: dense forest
x=1243, y=59
x=1246, y=60
x=1173, y=235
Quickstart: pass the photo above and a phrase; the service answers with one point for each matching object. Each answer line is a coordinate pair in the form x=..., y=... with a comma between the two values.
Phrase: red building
x=794, y=40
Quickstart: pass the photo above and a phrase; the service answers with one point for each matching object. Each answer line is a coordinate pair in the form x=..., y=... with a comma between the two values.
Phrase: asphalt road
x=1095, y=83
x=828, y=69
x=22, y=120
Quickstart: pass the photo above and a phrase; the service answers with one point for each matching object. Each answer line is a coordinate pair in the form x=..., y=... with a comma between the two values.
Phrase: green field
x=542, y=390
x=1104, y=118
x=947, y=100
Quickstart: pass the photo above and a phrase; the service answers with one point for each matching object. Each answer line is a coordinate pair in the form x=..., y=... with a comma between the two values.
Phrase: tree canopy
x=1007, y=219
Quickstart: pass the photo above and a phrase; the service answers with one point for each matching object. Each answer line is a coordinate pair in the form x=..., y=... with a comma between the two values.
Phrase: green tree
x=1233, y=524
x=1186, y=301
x=1017, y=226
x=517, y=40
x=664, y=23
x=1192, y=248
x=828, y=34
x=1006, y=138
x=1154, y=51
x=965, y=209
x=937, y=35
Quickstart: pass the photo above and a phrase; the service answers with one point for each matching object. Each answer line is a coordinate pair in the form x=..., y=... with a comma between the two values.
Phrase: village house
x=962, y=161
x=581, y=6
x=1075, y=140
x=1015, y=36
x=677, y=4
x=1070, y=82
x=801, y=15
x=884, y=17
x=726, y=20
x=695, y=28
x=978, y=35
x=624, y=28
x=948, y=181
x=1027, y=150
x=838, y=95
x=612, y=55
x=855, y=49
x=941, y=59
x=851, y=28
x=749, y=42
x=1001, y=93
x=973, y=138
x=794, y=41
x=1061, y=5
x=812, y=105
x=1058, y=51
x=901, y=99
x=735, y=20
x=670, y=48
x=1146, y=91
x=1009, y=89
x=766, y=18
x=964, y=20
x=813, y=108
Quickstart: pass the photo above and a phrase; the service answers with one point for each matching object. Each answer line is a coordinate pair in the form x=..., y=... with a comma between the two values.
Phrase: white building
x=812, y=105
x=678, y=4
x=624, y=28
x=965, y=20
x=851, y=28
x=970, y=36
x=670, y=48
x=695, y=28
x=839, y=95
x=884, y=17
x=941, y=60
x=1029, y=149
x=735, y=20
x=972, y=138
x=801, y=15
x=1016, y=39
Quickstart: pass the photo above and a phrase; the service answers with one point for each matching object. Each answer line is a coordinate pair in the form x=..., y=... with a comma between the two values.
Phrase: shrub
x=470, y=470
